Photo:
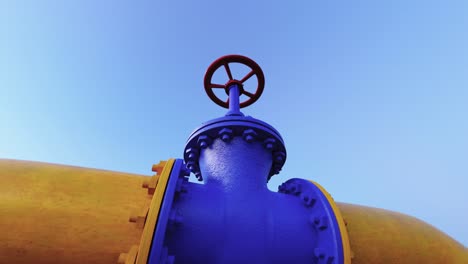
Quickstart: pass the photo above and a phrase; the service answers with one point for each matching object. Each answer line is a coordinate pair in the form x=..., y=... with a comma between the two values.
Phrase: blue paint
x=158, y=253
x=234, y=108
x=233, y=218
x=238, y=126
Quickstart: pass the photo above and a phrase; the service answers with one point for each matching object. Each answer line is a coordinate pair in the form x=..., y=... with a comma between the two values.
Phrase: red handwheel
x=224, y=61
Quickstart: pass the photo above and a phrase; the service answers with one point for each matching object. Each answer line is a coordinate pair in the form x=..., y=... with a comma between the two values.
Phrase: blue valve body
x=234, y=218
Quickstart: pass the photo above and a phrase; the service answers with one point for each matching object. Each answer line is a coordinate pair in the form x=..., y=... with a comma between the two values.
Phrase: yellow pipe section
x=379, y=236
x=63, y=214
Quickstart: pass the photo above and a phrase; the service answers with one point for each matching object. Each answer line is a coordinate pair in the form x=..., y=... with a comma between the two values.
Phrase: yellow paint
x=379, y=236
x=151, y=219
x=341, y=225
x=62, y=214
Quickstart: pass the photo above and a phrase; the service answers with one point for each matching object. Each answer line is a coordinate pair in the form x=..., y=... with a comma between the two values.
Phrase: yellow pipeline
x=62, y=214
x=379, y=236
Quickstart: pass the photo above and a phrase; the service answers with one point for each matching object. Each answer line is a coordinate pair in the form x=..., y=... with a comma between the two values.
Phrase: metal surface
x=234, y=218
x=62, y=214
x=153, y=214
x=339, y=222
x=224, y=62
x=330, y=236
x=234, y=123
x=380, y=236
x=167, y=216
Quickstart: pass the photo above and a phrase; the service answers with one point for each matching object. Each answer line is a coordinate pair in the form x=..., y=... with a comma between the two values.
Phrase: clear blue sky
x=370, y=96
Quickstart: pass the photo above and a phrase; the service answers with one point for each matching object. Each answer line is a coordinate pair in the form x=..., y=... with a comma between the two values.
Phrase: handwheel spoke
x=250, y=74
x=249, y=94
x=228, y=70
x=215, y=85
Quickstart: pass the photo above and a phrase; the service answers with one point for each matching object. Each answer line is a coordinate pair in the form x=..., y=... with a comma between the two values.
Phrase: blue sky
x=370, y=96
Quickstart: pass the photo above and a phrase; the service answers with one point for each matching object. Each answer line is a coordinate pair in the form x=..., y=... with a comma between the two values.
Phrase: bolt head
x=203, y=144
x=308, y=200
x=225, y=134
x=319, y=253
x=249, y=135
x=145, y=184
x=269, y=143
x=203, y=141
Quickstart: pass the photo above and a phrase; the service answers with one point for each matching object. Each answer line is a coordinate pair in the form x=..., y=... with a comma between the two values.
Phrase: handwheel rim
x=224, y=62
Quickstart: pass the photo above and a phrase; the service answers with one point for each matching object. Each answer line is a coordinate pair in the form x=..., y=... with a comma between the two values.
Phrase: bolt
x=290, y=188
x=198, y=176
x=181, y=186
x=308, y=200
x=225, y=134
x=320, y=222
x=279, y=156
x=276, y=168
x=203, y=141
x=184, y=171
x=192, y=153
x=268, y=143
x=319, y=253
x=145, y=184
x=191, y=165
x=295, y=188
x=249, y=135
x=322, y=256
x=158, y=167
